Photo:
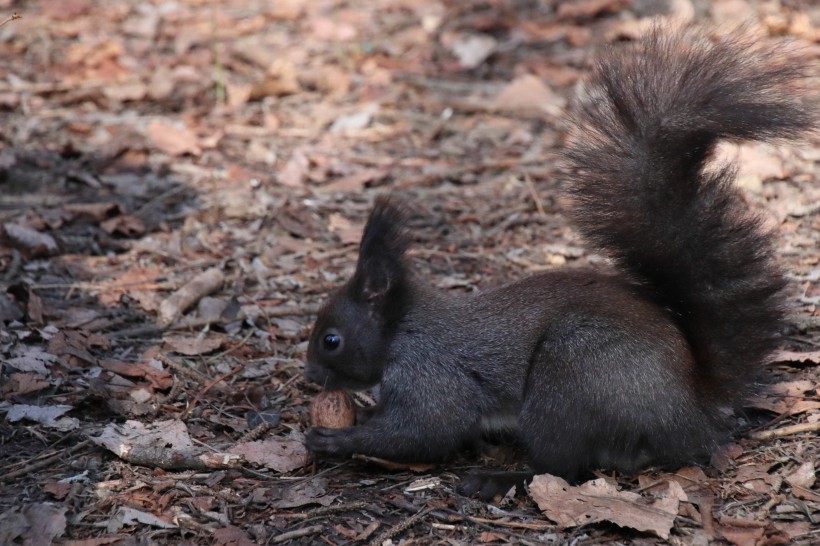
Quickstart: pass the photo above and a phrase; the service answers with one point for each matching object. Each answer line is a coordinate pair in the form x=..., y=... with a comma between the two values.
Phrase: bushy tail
x=650, y=120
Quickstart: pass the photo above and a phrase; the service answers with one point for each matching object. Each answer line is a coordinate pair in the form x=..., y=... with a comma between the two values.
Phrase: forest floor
x=183, y=183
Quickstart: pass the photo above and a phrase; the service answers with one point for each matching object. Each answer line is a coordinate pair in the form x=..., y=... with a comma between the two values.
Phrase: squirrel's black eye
x=332, y=342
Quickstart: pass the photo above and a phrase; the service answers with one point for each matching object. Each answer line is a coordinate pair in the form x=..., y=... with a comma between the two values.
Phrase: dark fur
x=590, y=370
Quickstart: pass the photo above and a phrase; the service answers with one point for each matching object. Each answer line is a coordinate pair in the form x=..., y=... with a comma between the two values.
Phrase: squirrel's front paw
x=333, y=442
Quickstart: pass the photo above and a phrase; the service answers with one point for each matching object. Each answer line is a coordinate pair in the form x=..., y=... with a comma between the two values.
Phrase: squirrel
x=587, y=369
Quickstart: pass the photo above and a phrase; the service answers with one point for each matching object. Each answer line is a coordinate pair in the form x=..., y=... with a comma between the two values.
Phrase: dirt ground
x=183, y=182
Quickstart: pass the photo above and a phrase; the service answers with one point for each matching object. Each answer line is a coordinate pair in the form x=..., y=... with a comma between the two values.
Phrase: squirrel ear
x=376, y=279
x=381, y=268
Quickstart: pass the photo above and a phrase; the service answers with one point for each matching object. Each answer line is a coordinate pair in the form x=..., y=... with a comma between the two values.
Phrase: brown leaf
x=120, y=439
x=295, y=171
x=598, y=500
x=173, y=139
x=194, y=345
x=159, y=378
x=73, y=346
x=58, y=490
x=347, y=231
x=48, y=416
x=585, y=9
x=355, y=121
x=471, y=49
x=24, y=383
x=353, y=182
x=280, y=80
x=802, y=480
x=133, y=91
x=95, y=211
x=528, y=92
x=125, y=225
x=30, y=239
x=741, y=536
x=232, y=536
x=280, y=455
x=313, y=491
x=32, y=524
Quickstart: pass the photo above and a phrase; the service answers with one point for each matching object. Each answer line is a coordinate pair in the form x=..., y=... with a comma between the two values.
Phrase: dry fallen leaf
x=470, y=49
x=347, y=231
x=232, y=536
x=280, y=455
x=30, y=239
x=295, y=171
x=173, y=139
x=129, y=516
x=313, y=491
x=22, y=383
x=803, y=476
x=355, y=121
x=158, y=377
x=32, y=524
x=353, y=182
x=528, y=92
x=32, y=359
x=48, y=416
x=598, y=500
x=742, y=536
x=125, y=225
x=119, y=439
x=194, y=345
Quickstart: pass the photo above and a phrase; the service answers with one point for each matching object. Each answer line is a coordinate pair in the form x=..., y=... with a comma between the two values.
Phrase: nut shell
x=332, y=409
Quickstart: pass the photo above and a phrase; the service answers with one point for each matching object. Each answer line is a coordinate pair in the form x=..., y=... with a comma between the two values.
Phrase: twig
x=43, y=463
x=785, y=431
x=196, y=323
x=208, y=387
x=462, y=170
x=255, y=433
x=297, y=533
x=325, y=510
x=12, y=17
x=186, y=371
x=180, y=459
x=539, y=205
x=705, y=508
x=403, y=526
x=540, y=526
x=226, y=352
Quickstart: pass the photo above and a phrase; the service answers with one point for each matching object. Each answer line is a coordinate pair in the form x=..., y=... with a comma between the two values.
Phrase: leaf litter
x=182, y=184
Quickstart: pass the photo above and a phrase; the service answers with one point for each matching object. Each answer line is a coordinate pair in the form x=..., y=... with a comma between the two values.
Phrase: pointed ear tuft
x=381, y=269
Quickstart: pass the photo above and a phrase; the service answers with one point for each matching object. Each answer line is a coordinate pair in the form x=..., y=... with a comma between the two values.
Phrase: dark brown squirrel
x=588, y=370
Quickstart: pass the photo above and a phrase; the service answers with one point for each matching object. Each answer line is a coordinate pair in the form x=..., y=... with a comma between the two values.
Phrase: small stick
x=785, y=431
x=12, y=17
x=403, y=526
x=705, y=508
x=208, y=387
x=43, y=463
x=296, y=534
x=539, y=205
x=543, y=526
x=255, y=434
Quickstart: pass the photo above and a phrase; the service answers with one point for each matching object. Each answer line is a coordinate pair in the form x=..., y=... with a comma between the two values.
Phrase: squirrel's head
x=348, y=347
